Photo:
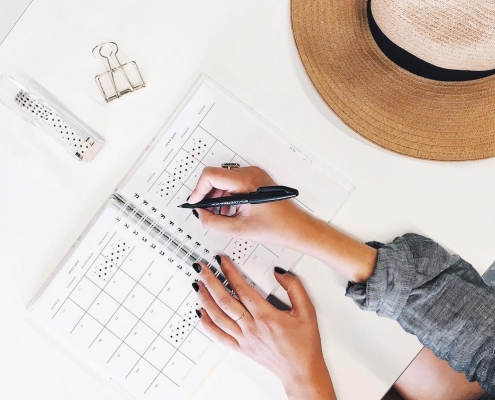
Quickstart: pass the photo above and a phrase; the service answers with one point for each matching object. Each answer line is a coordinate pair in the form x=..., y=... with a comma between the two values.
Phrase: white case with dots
x=122, y=296
x=35, y=105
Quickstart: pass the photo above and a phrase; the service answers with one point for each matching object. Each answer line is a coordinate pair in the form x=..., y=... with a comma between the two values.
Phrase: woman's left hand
x=285, y=342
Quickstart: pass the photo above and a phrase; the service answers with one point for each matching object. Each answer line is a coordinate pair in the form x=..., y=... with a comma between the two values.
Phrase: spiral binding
x=152, y=231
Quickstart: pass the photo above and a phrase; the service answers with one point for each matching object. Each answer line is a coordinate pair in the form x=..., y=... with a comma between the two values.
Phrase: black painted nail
x=218, y=259
x=195, y=286
x=280, y=271
x=195, y=213
x=197, y=267
x=188, y=197
x=198, y=313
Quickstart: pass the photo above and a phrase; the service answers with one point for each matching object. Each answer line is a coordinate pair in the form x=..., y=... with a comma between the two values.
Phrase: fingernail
x=218, y=259
x=188, y=197
x=195, y=213
x=197, y=267
x=198, y=313
x=280, y=271
x=195, y=286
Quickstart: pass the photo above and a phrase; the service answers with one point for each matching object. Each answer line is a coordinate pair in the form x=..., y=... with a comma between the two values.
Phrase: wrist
x=354, y=260
x=315, y=385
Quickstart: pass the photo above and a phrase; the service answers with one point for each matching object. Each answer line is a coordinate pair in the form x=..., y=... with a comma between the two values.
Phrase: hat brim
x=403, y=112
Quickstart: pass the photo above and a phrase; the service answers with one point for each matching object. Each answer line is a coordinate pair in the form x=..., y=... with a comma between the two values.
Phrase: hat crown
x=453, y=34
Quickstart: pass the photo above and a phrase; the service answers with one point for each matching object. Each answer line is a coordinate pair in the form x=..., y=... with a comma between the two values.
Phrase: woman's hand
x=286, y=343
x=280, y=223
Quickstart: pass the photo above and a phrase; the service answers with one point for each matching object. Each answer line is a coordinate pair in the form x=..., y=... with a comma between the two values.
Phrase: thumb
x=299, y=298
x=218, y=223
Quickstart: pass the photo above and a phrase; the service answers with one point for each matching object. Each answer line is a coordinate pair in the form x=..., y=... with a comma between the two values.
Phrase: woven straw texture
x=455, y=34
x=405, y=113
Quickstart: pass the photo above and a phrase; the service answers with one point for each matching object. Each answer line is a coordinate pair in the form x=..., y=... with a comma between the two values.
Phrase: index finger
x=212, y=177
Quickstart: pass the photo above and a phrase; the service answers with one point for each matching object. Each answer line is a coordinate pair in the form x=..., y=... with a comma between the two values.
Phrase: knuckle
x=240, y=292
x=264, y=321
x=223, y=303
x=206, y=276
x=207, y=171
x=251, y=332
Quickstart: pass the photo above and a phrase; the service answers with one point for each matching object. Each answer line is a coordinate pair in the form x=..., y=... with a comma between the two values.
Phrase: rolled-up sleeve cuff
x=387, y=290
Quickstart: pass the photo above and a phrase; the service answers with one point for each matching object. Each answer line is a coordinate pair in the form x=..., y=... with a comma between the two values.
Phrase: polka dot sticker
x=188, y=308
x=117, y=250
x=182, y=166
x=240, y=250
x=61, y=128
x=177, y=330
x=102, y=271
x=199, y=143
x=166, y=187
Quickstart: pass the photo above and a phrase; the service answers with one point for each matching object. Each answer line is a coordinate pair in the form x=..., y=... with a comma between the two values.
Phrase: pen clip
x=277, y=189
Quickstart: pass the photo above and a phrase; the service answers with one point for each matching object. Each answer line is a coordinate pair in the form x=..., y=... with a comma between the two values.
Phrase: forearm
x=352, y=259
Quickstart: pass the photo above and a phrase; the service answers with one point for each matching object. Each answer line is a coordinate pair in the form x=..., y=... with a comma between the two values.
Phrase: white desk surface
x=47, y=198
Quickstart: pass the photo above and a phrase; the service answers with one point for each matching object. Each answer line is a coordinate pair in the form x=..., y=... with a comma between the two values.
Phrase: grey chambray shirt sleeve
x=438, y=297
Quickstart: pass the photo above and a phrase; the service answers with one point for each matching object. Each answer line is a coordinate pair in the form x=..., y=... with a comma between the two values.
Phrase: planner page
x=119, y=305
x=212, y=128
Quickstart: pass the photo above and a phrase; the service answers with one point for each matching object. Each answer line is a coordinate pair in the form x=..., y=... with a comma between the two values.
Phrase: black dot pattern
x=166, y=187
x=199, y=144
x=179, y=328
x=103, y=270
x=39, y=111
x=116, y=251
x=199, y=148
x=241, y=250
x=183, y=166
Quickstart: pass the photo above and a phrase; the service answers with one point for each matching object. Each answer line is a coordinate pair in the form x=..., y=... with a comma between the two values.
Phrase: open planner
x=122, y=300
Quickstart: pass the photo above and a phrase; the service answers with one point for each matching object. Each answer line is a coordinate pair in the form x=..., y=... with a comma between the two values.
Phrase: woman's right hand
x=280, y=223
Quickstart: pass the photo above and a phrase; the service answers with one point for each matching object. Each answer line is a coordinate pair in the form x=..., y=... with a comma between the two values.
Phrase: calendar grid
x=177, y=350
x=121, y=305
x=199, y=123
x=83, y=276
x=160, y=372
x=139, y=320
x=102, y=289
x=156, y=298
x=123, y=342
x=200, y=161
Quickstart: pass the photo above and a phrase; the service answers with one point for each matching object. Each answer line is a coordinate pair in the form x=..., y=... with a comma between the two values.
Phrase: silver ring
x=242, y=316
x=230, y=165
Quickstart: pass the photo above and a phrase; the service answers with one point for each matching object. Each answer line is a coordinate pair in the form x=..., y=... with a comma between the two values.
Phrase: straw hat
x=435, y=100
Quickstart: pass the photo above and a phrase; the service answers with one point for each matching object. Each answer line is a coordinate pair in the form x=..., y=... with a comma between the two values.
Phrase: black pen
x=264, y=194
